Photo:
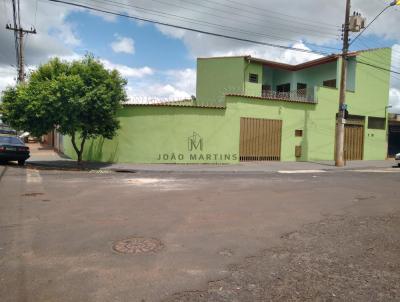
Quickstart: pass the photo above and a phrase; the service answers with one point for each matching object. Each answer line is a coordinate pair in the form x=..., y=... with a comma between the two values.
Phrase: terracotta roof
x=177, y=104
x=272, y=99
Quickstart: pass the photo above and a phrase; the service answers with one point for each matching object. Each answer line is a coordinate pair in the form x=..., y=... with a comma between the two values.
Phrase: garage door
x=260, y=139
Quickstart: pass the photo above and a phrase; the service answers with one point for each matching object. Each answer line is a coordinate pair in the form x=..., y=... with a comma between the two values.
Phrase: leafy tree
x=79, y=98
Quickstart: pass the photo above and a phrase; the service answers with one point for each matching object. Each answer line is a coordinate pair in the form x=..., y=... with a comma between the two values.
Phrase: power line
x=379, y=67
x=272, y=14
x=188, y=28
x=200, y=22
x=36, y=7
x=291, y=28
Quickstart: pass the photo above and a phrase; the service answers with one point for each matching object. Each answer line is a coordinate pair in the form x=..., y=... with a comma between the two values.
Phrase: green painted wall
x=253, y=89
x=371, y=97
x=314, y=76
x=163, y=134
x=268, y=76
x=217, y=77
x=156, y=134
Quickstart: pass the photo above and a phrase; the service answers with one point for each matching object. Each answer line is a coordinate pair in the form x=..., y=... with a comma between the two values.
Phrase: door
x=260, y=139
x=353, y=142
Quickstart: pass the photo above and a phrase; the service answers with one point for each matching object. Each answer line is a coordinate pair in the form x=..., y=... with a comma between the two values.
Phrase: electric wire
x=36, y=8
x=208, y=24
x=271, y=14
x=238, y=12
x=209, y=33
x=379, y=67
x=187, y=28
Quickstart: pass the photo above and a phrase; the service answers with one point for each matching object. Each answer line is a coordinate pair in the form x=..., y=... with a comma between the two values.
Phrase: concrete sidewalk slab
x=42, y=157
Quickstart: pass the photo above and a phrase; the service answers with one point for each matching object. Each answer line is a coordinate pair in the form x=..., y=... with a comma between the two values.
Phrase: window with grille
x=376, y=123
x=283, y=87
x=330, y=83
x=253, y=78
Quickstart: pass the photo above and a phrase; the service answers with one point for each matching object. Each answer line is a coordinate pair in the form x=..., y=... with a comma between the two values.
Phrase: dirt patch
x=137, y=245
x=339, y=259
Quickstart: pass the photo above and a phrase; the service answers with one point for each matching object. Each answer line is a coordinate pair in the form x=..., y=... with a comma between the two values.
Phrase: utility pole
x=354, y=23
x=19, y=33
x=339, y=154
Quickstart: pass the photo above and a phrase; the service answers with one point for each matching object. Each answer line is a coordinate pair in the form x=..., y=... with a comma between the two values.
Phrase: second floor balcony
x=299, y=95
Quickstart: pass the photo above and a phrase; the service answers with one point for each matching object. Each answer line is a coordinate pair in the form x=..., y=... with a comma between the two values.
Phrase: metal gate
x=353, y=142
x=260, y=139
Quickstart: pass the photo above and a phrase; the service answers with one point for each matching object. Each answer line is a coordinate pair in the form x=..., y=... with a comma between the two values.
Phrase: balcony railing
x=301, y=95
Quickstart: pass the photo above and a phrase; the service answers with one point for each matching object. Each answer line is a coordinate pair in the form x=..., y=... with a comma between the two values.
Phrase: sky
x=159, y=62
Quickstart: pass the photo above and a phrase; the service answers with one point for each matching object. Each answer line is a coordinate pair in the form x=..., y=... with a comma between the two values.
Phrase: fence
x=300, y=95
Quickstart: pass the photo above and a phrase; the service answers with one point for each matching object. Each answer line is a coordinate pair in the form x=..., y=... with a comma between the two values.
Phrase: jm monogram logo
x=195, y=142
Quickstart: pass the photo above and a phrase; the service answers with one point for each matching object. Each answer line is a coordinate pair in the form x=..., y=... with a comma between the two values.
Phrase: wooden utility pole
x=339, y=154
x=19, y=33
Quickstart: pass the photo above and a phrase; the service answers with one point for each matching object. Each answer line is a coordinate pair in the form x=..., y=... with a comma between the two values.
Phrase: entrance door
x=260, y=139
x=353, y=142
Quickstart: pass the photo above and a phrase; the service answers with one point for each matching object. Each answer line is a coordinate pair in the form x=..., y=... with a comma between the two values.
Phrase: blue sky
x=160, y=62
x=151, y=46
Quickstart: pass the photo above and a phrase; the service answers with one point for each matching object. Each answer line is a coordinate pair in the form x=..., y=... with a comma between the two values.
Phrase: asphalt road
x=332, y=236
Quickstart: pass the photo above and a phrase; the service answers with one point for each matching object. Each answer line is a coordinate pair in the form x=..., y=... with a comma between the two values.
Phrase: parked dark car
x=12, y=148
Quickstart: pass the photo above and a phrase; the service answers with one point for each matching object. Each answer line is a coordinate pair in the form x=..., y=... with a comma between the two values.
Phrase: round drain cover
x=137, y=245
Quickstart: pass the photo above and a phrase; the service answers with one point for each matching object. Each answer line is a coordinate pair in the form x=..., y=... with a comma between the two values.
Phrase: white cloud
x=394, y=100
x=144, y=93
x=127, y=71
x=106, y=17
x=123, y=45
x=278, y=55
x=183, y=79
x=171, y=85
x=8, y=76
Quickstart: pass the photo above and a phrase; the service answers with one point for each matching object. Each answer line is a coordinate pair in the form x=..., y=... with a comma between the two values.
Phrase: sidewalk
x=42, y=157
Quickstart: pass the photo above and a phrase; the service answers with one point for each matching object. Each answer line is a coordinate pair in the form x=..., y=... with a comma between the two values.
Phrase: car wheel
x=21, y=162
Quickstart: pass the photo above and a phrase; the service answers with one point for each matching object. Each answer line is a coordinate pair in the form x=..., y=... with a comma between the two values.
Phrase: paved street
x=327, y=236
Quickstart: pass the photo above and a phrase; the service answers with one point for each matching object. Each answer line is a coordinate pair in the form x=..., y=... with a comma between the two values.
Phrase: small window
x=376, y=123
x=330, y=83
x=253, y=78
x=298, y=133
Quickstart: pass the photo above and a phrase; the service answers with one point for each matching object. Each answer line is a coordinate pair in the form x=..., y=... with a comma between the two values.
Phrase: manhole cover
x=137, y=245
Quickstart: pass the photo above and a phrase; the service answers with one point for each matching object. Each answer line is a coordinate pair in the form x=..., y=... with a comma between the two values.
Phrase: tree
x=79, y=98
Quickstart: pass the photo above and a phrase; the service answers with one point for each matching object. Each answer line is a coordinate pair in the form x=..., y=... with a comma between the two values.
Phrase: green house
x=249, y=109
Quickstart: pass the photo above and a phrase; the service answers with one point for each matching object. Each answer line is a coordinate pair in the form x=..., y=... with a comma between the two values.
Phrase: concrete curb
x=177, y=169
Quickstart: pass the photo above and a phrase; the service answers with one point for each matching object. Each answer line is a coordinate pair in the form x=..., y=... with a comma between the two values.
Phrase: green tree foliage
x=79, y=98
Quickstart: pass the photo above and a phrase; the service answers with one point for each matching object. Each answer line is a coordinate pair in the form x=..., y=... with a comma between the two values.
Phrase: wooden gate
x=353, y=142
x=260, y=139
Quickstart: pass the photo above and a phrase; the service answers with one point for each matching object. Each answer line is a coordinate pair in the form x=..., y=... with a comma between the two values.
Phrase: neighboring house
x=250, y=109
x=394, y=135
